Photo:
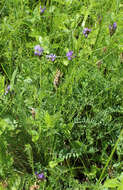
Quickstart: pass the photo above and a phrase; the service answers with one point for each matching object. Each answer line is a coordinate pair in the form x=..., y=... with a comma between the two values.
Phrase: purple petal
x=52, y=59
x=38, y=50
x=42, y=9
x=36, y=53
x=37, y=47
x=6, y=92
x=69, y=58
x=41, y=176
x=8, y=87
x=70, y=53
x=114, y=25
x=86, y=31
x=110, y=27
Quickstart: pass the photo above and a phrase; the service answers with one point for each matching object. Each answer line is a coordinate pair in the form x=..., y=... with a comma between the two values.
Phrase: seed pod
x=57, y=78
x=104, y=49
x=99, y=63
x=99, y=18
x=121, y=57
x=33, y=113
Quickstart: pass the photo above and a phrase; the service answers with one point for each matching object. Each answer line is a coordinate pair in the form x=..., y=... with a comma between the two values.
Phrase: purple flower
x=7, y=89
x=86, y=31
x=42, y=10
x=51, y=57
x=38, y=50
x=114, y=25
x=70, y=55
x=112, y=28
x=40, y=176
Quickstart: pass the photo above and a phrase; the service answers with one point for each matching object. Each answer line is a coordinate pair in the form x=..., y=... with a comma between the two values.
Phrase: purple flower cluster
x=40, y=176
x=112, y=28
x=42, y=10
x=51, y=57
x=7, y=89
x=70, y=55
x=86, y=31
x=38, y=50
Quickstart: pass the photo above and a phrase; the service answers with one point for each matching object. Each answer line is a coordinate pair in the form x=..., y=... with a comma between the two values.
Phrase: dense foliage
x=61, y=94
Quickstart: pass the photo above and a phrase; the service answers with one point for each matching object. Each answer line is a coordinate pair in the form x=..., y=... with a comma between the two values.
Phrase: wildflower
x=112, y=28
x=86, y=31
x=114, y=25
x=70, y=55
x=51, y=57
x=42, y=10
x=38, y=50
x=41, y=176
x=7, y=89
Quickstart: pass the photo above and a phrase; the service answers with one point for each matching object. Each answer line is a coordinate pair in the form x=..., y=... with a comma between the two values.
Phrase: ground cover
x=61, y=95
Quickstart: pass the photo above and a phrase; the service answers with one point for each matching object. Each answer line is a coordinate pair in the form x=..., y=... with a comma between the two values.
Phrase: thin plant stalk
x=110, y=157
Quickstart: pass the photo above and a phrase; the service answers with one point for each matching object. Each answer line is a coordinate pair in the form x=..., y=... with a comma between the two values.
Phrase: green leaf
x=49, y=120
x=112, y=183
x=13, y=78
x=35, y=135
x=120, y=187
x=1, y=188
x=53, y=164
x=65, y=62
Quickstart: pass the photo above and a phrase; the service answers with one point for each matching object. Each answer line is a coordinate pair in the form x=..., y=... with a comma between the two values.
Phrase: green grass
x=72, y=131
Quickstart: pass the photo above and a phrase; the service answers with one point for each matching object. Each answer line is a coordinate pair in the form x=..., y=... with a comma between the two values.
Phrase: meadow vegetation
x=61, y=95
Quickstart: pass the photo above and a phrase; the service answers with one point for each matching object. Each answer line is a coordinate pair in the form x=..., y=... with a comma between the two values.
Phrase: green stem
x=86, y=15
x=40, y=74
x=110, y=157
